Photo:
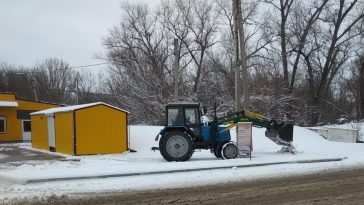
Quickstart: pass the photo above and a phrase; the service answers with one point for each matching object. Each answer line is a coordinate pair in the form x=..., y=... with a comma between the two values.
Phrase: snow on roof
x=8, y=104
x=51, y=111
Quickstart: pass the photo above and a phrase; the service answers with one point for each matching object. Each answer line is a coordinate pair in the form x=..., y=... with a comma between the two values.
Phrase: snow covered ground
x=309, y=145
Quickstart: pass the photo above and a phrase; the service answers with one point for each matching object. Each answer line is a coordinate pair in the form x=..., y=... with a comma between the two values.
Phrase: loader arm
x=280, y=133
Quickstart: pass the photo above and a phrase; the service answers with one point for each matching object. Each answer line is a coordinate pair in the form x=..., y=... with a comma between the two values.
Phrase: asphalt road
x=17, y=155
x=339, y=187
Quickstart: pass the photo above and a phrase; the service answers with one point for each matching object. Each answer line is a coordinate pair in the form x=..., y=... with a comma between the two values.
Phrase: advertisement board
x=244, y=138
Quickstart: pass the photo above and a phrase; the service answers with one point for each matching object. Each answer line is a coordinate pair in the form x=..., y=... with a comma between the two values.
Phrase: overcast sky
x=32, y=30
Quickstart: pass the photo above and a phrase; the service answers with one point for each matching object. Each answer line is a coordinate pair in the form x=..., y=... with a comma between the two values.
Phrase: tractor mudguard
x=170, y=128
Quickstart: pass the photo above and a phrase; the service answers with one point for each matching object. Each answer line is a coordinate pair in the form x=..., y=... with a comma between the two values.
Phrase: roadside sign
x=244, y=138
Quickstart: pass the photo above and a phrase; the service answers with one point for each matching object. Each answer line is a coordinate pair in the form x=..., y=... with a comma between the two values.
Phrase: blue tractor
x=184, y=132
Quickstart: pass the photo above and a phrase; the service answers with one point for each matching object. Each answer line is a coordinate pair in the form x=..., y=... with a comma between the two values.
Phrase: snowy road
x=339, y=187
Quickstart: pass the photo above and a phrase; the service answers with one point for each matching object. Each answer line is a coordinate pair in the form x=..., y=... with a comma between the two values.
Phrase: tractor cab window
x=175, y=116
x=191, y=116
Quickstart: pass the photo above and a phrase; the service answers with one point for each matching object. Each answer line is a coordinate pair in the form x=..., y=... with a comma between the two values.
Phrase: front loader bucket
x=281, y=134
x=285, y=132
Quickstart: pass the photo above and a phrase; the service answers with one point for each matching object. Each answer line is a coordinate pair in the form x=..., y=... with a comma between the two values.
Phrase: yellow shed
x=15, y=124
x=95, y=128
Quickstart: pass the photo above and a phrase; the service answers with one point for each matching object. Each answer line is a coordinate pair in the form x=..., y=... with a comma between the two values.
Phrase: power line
x=88, y=65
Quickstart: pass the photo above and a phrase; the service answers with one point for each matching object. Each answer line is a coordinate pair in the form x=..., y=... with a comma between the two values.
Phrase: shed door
x=51, y=132
x=26, y=129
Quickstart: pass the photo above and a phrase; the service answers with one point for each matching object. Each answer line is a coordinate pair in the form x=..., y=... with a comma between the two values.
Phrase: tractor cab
x=184, y=115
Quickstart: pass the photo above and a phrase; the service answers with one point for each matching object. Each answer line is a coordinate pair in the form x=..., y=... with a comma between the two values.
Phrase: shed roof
x=51, y=111
x=8, y=104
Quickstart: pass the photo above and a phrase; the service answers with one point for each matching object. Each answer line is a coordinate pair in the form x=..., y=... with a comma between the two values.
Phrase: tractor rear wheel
x=229, y=151
x=176, y=146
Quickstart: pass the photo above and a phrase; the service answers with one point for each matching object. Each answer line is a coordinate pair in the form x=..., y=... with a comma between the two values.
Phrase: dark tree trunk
x=315, y=112
x=362, y=90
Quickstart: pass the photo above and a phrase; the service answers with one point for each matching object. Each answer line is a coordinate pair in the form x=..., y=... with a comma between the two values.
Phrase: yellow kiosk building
x=15, y=124
x=95, y=128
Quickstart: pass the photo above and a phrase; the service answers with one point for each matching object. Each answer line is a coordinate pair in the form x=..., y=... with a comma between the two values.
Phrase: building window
x=24, y=114
x=2, y=125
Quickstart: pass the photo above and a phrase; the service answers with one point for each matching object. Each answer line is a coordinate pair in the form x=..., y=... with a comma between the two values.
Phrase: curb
x=32, y=181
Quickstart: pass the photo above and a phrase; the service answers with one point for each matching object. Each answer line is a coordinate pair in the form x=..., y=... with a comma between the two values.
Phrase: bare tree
x=53, y=80
x=333, y=40
x=355, y=85
x=284, y=9
x=16, y=80
x=361, y=83
x=194, y=23
x=88, y=89
x=295, y=52
x=350, y=83
x=140, y=78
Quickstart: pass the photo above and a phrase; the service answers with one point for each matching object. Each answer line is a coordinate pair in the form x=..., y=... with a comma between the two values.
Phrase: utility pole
x=236, y=54
x=176, y=68
x=239, y=57
x=77, y=91
x=244, y=68
x=33, y=87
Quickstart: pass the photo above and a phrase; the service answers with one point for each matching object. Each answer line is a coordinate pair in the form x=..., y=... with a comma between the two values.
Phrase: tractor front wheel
x=217, y=150
x=176, y=146
x=229, y=151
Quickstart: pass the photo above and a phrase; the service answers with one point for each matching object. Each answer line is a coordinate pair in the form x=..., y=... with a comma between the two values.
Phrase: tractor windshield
x=191, y=116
